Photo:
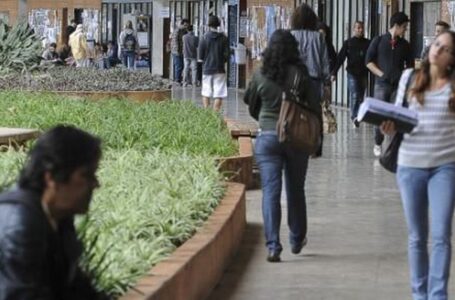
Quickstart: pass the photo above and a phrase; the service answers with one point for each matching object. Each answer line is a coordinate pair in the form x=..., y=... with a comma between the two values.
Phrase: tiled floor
x=357, y=236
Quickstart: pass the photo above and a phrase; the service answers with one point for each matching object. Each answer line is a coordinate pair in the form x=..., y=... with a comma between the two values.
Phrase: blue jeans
x=356, y=88
x=428, y=197
x=272, y=157
x=128, y=59
x=385, y=92
x=177, y=61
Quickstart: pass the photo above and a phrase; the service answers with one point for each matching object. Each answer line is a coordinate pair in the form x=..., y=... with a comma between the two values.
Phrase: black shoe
x=295, y=249
x=356, y=123
x=274, y=256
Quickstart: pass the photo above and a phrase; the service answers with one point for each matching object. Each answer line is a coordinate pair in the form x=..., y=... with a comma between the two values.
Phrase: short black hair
x=214, y=22
x=443, y=24
x=184, y=21
x=60, y=151
x=398, y=18
x=190, y=28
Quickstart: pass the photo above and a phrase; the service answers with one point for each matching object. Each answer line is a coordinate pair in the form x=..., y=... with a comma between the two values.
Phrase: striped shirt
x=432, y=142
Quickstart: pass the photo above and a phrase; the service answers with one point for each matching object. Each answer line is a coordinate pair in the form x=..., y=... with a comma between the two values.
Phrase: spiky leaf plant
x=20, y=49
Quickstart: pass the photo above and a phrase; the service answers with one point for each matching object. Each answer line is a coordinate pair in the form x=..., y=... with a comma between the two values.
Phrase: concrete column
x=159, y=6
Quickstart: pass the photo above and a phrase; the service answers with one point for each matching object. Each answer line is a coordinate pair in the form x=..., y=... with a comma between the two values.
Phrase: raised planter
x=137, y=96
x=195, y=268
x=239, y=168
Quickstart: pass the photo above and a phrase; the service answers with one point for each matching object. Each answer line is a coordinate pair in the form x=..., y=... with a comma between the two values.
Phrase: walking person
x=281, y=64
x=387, y=56
x=40, y=250
x=177, y=49
x=190, y=44
x=426, y=169
x=354, y=49
x=129, y=46
x=79, y=49
x=213, y=51
x=312, y=46
x=439, y=28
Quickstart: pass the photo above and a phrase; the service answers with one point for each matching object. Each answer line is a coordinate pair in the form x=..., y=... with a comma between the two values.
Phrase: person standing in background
x=213, y=51
x=177, y=49
x=190, y=45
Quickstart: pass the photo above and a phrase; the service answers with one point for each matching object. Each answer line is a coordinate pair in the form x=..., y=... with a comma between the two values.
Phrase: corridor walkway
x=356, y=237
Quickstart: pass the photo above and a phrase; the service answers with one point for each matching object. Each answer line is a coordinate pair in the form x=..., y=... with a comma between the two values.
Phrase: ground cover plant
x=157, y=185
x=83, y=79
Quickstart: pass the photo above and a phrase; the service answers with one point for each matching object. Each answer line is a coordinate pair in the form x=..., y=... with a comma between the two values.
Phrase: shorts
x=214, y=86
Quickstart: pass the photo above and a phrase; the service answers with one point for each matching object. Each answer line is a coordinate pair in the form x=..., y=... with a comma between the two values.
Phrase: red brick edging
x=194, y=269
x=239, y=168
x=136, y=96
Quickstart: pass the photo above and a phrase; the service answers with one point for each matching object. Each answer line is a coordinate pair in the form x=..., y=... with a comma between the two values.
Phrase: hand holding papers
x=375, y=112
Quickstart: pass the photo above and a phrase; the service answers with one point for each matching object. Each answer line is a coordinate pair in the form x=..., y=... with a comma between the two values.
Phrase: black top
x=391, y=56
x=355, y=50
x=214, y=52
x=37, y=262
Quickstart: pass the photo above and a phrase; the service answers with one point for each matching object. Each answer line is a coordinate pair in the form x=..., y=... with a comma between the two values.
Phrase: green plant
x=169, y=126
x=20, y=49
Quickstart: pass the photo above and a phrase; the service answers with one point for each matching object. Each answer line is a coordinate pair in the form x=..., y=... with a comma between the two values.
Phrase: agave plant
x=20, y=48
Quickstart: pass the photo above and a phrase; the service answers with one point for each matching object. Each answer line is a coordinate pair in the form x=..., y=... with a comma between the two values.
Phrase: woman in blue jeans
x=426, y=169
x=264, y=94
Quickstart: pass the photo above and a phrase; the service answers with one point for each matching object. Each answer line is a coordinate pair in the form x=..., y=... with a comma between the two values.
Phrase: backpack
x=297, y=125
x=129, y=42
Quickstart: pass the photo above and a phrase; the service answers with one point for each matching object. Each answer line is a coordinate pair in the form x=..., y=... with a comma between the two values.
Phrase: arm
x=370, y=58
x=201, y=50
x=325, y=63
x=340, y=58
x=252, y=98
x=409, y=58
x=226, y=50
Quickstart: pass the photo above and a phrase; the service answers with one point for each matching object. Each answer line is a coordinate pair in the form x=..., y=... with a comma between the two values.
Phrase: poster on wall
x=45, y=24
x=4, y=17
x=90, y=21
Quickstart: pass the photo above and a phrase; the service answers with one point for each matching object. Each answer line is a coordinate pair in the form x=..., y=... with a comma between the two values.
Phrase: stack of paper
x=375, y=112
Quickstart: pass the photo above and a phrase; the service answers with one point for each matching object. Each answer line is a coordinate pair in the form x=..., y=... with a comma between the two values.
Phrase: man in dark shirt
x=355, y=50
x=387, y=56
x=190, y=44
x=39, y=249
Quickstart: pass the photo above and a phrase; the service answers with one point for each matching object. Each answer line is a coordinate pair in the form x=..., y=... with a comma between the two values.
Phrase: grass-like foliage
x=169, y=126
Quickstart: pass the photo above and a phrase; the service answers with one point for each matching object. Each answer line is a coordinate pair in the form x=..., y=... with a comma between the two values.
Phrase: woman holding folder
x=426, y=168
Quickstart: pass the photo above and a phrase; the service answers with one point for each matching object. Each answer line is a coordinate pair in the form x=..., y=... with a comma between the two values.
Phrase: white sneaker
x=377, y=150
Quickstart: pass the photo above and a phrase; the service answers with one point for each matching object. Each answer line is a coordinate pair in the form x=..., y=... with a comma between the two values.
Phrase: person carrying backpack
x=129, y=45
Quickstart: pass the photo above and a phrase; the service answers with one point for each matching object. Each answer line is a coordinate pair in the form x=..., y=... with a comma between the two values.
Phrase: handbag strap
x=294, y=89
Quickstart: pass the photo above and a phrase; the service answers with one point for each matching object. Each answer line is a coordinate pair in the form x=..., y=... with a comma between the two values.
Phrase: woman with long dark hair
x=281, y=64
x=426, y=168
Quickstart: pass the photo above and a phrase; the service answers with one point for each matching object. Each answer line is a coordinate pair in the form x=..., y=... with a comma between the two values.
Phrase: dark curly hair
x=304, y=17
x=281, y=52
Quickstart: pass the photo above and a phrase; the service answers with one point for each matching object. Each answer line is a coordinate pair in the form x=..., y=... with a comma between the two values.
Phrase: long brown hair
x=423, y=80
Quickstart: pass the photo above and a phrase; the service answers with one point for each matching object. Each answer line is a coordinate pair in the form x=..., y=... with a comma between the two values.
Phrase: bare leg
x=217, y=104
x=206, y=102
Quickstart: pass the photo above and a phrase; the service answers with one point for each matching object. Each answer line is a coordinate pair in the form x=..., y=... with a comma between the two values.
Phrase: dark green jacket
x=263, y=96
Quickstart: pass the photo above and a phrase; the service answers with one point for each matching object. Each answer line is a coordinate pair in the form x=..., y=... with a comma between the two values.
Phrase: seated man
x=50, y=54
x=39, y=249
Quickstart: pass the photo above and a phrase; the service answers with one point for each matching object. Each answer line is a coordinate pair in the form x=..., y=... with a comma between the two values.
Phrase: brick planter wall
x=195, y=268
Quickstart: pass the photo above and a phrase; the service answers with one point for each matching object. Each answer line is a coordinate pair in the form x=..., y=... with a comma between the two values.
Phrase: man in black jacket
x=39, y=249
x=387, y=56
x=355, y=50
x=213, y=51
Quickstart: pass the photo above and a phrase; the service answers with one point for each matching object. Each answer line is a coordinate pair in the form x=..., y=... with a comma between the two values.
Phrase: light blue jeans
x=272, y=158
x=356, y=88
x=428, y=197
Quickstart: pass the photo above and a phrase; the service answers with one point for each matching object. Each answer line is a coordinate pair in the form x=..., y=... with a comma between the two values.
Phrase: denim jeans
x=272, y=158
x=356, y=88
x=385, y=92
x=190, y=64
x=428, y=197
x=177, y=61
x=128, y=59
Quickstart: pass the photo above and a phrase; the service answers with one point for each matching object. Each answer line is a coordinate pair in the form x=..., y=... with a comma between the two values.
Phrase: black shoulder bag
x=389, y=156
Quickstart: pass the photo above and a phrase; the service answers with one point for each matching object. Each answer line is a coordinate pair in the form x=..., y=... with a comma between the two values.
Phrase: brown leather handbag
x=298, y=126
